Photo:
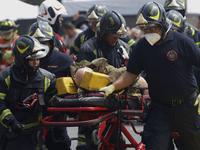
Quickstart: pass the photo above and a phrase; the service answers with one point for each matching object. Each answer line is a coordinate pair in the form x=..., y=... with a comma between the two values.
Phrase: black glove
x=16, y=126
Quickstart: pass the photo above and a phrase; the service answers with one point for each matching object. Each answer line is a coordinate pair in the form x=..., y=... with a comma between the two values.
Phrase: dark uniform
x=88, y=34
x=180, y=25
x=189, y=30
x=96, y=48
x=13, y=90
x=20, y=113
x=193, y=33
x=82, y=37
x=93, y=16
x=169, y=75
x=59, y=64
x=129, y=41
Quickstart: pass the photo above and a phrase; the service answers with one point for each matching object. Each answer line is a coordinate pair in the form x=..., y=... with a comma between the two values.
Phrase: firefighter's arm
x=122, y=82
x=74, y=49
x=6, y=116
x=51, y=92
x=7, y=119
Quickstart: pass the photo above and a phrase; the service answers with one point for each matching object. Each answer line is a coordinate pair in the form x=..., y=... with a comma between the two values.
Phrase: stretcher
x=97, y=110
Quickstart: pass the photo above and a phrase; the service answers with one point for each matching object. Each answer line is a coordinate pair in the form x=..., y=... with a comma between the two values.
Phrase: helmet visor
x=39, y=51
x=148, y=28
x=7, y=31
x=8, y=35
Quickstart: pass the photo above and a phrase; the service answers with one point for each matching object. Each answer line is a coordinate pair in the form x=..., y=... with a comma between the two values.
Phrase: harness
x=16, y=96
x=120, y=55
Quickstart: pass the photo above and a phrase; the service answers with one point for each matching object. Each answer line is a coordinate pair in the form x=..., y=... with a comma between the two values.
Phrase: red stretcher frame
x=100, y=115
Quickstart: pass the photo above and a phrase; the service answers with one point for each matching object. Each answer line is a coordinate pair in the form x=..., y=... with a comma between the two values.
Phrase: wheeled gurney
x=97, y=110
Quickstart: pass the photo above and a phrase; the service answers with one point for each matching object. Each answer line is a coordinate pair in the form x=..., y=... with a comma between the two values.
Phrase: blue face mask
x=83, y=27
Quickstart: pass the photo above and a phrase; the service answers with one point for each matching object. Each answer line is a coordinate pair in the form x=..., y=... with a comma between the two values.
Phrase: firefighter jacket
x=14, y=90
x=88, y=34
x=96, y=48
x=193, y=33
x=3, y=48
x=57, y=63
x=81, y=38
x=129, y=41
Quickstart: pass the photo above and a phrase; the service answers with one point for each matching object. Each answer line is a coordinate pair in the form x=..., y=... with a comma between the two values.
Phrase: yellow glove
x=9, y=60
x=7, y=54
x=108, y=90
x=198, y=102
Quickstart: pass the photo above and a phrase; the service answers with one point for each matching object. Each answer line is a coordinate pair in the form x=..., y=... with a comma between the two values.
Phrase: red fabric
x=63, y=49
x=3, y=48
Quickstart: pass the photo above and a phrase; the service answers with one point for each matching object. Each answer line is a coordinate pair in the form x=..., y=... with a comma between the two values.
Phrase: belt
x=176, y=102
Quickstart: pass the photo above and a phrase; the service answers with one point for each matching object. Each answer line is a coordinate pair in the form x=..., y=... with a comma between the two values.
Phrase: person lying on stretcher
x=81, y=72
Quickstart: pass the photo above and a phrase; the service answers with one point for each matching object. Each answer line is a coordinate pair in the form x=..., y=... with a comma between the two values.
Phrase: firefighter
x=106, y=44
x=24, y=90
x=168, y=58
x=53, y=12
x=59, y=64
x=189, y=30
x=8, y=30
x=94, y=16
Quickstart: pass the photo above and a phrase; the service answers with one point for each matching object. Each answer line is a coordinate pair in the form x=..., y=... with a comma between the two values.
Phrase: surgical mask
x=152, y=38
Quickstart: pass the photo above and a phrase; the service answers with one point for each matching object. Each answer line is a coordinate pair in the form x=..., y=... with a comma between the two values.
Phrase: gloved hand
x=108, y=90
x=198, y=102
x=7, y=55
x=16, y=126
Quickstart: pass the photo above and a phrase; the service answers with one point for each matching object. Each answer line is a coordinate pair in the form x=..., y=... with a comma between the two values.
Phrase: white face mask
x=152, y=38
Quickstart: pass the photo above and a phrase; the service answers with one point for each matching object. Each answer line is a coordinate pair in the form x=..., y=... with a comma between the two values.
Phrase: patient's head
x=80, y=74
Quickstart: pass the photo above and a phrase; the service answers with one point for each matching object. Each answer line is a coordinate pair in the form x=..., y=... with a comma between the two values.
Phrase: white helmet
x=49, y=11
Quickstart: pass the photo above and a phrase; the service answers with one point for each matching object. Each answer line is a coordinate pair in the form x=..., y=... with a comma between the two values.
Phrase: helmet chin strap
x=56, y=26
x=163, y=33
x=27, y=68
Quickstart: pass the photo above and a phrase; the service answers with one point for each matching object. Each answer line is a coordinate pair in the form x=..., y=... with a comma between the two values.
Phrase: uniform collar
x=21, y=76
x=169, y=37
x=107, y=44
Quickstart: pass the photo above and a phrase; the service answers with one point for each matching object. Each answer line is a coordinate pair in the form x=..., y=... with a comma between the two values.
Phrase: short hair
x=136, y=29
x=68, y=25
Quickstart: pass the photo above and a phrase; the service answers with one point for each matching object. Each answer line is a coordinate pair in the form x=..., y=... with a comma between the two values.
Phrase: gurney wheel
x=94, y=138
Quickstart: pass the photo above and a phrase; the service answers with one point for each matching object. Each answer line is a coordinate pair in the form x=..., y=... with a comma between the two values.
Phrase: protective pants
x=162, y=120
x=59, y=134
x=22, y=142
